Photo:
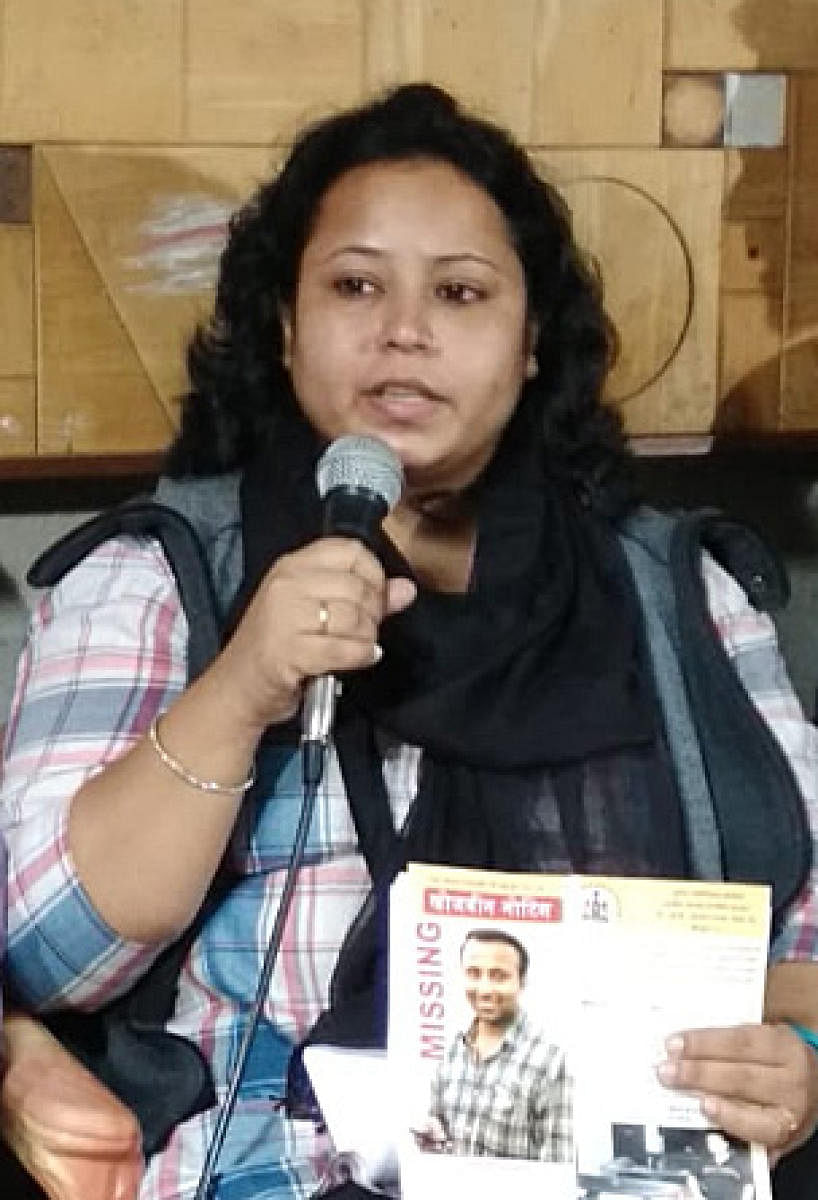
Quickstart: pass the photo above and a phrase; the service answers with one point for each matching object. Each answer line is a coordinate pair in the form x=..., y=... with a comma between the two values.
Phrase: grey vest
x=743, y=811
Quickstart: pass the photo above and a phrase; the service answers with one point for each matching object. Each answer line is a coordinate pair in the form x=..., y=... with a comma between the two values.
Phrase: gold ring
x=323, y=617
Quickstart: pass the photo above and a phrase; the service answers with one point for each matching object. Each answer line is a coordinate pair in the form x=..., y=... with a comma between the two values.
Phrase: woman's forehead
x=426, y=201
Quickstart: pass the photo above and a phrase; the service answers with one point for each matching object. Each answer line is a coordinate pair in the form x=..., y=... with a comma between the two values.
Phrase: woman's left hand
x=756, y=1082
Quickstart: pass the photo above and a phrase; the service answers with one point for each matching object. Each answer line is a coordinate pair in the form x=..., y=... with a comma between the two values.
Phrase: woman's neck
x=436, y=536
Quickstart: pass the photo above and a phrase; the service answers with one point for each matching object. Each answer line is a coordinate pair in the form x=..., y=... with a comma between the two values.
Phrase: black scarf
x=530, y=696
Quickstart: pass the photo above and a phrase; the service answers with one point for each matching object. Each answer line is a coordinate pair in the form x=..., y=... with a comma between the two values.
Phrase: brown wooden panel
x=804, y=135
x=17, y=405
x=256, y=70
x=15, y=185
x=755, y=183
x=553, y=71
x=714, y=35
x=597, y=72
x=16, y=300
x=802, y=297
x=752, y=256
x=153, y=223
x=93, y=393
x=750, y=364
x=133, y=472
x=394, y=42
x=74, y=69
x=800, y=393
x=802, y=307
x=754, y=270
x=652, y=220
x=482, y=51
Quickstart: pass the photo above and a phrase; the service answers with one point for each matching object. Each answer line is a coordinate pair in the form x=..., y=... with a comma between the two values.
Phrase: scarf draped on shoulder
x=530, y=696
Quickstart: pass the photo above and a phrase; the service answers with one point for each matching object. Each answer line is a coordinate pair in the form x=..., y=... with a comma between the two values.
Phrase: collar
x=515, y=1030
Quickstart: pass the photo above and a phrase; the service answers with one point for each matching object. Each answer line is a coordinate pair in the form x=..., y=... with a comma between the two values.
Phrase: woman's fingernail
x=405, y=589
x=377, y=653
x=667, y=1072
x=674, y=1045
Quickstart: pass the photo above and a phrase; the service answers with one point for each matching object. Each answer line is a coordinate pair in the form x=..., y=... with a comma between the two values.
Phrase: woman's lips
x=404, y=400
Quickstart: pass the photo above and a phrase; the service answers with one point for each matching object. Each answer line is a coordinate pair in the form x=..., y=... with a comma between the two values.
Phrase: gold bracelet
x=181, y=771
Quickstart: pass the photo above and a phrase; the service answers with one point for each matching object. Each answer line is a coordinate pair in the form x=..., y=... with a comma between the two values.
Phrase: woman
x=406, y=276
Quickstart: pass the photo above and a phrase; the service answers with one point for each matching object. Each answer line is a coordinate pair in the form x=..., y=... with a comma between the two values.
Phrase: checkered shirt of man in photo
x=516, y=1103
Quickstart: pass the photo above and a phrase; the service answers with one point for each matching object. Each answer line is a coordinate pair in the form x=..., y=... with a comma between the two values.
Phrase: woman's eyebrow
x=458, y=256
x=352, y=248
x=466, y=256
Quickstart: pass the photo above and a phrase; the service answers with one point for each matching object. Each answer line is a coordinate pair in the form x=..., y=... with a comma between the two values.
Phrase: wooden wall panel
x=90, y=69
x=597, y=72
x=753, y=253
x=93, y=394
x=17, y=421
x=258, y=69
x=750, y=363
x=528, y=62
x=17, y=367
x=718, y=35
x=15, y=185
x=153, y=224
x=652, y=220
x=394, y=43
x=800, y=390
x=754, y=263
x=482, y=51
x=16, y=301
x=755, y=183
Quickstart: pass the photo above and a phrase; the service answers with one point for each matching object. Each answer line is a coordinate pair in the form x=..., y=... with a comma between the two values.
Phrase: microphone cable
x=359, y=479
x=312, y=770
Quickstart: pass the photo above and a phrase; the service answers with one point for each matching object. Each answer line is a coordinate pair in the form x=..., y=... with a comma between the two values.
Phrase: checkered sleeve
x=105, y=652
x=749, y=638
x=436, y=1096
x=552, y=1110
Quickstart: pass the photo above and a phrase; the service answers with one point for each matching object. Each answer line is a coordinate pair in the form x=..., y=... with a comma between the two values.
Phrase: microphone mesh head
x=360, y=462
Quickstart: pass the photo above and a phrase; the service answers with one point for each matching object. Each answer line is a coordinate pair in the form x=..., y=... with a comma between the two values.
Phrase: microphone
x=359, y=479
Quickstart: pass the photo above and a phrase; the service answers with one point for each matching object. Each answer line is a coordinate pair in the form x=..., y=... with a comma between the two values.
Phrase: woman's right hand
x=144, y=840
x=315, y=612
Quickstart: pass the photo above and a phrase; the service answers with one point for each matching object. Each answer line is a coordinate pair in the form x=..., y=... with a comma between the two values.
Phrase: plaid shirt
x=105, y=653
x=516, y=1103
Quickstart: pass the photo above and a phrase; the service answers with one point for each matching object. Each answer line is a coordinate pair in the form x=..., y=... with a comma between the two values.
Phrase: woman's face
x=409, y=320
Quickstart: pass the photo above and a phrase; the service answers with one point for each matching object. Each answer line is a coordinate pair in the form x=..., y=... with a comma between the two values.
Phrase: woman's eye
x=461, y=293
x=354, y=285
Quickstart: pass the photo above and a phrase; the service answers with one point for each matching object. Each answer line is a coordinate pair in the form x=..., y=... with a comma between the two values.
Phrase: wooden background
x=129, y=130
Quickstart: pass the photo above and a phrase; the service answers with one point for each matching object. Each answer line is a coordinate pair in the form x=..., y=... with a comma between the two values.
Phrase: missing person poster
x=527, y=1015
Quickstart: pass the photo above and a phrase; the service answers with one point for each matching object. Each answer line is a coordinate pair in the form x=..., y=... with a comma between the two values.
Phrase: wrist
x=234, y=685
x=808, y=1036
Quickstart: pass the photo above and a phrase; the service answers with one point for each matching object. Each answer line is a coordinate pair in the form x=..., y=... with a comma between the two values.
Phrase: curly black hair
x=238, y=380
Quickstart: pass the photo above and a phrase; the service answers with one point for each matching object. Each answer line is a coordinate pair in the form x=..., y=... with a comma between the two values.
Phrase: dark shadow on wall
x=779, y=248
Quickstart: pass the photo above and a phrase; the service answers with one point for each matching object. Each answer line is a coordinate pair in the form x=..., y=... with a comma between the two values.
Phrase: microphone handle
x=318, y=708
x=355, y=512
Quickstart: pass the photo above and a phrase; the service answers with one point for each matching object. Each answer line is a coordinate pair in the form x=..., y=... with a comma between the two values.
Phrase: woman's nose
x=406, y=325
